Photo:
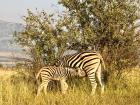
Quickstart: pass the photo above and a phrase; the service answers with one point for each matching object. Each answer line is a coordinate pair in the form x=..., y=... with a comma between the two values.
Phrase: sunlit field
x=19, y=88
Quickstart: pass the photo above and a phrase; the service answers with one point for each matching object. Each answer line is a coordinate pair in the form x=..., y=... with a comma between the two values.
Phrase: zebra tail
x=102, y=61
x=105, y=72
x=38, y=74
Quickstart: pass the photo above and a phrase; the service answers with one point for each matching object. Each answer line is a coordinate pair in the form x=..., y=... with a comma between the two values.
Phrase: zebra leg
x=93, y=82
x=64, y=86
x=45, y=87
x=40, y=88
x=99, y=77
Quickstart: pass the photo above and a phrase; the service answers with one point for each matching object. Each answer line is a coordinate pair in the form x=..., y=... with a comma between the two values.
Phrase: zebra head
x=76, y=72
x=71, y=71
x=81, y=72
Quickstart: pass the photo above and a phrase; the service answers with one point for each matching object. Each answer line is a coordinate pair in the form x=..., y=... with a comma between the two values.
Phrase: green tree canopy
x=107, y=25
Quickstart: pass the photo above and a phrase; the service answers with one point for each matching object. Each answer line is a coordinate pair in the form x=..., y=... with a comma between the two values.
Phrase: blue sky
x=13, y=10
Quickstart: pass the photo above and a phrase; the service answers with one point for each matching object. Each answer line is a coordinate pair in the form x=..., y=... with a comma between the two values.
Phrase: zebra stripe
x=56, y=73
x=90, y=62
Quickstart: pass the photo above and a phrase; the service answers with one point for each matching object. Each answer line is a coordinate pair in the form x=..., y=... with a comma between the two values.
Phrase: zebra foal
x=56, y=73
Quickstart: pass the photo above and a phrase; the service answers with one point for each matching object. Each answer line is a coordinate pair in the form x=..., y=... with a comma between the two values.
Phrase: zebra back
x=38, y=74
x=57, y=72
x=64, y=61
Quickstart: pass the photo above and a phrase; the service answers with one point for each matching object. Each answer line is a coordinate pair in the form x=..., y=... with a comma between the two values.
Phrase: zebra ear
x=57, y=62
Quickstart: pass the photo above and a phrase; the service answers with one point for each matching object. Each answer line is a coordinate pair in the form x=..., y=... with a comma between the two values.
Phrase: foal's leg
x=64, y=86
x=45, y=86
x=40, y=88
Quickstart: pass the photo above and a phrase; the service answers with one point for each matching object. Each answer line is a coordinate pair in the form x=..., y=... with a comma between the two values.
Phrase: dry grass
x=5, y=74
x=18, y=90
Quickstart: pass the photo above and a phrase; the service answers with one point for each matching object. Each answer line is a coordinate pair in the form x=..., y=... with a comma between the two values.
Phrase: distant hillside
x=6, y=35
x=7, y=28
x=7, y=46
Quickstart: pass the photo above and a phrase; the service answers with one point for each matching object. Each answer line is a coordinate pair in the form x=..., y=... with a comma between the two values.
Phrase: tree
x=108, y=25
x=39, y=37
x=104, y=24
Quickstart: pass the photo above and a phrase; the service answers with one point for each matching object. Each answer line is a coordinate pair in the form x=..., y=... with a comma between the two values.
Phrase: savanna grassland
x=19, y=88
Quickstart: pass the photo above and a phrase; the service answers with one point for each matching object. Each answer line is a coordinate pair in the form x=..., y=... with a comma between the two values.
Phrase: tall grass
x=21, y=90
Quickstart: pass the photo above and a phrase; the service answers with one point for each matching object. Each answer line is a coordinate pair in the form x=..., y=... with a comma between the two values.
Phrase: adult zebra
x=61, y=74
x=90, y=62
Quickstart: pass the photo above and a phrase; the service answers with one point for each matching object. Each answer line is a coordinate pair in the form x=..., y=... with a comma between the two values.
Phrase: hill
x=8, y=49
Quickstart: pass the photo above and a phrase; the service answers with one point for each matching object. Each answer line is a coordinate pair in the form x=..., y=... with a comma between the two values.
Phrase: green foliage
x=40, y=37
x=102, y=24
x=107, y=25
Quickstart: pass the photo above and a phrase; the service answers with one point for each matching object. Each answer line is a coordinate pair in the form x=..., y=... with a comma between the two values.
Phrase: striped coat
x=90, y=62
x=56, y=73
